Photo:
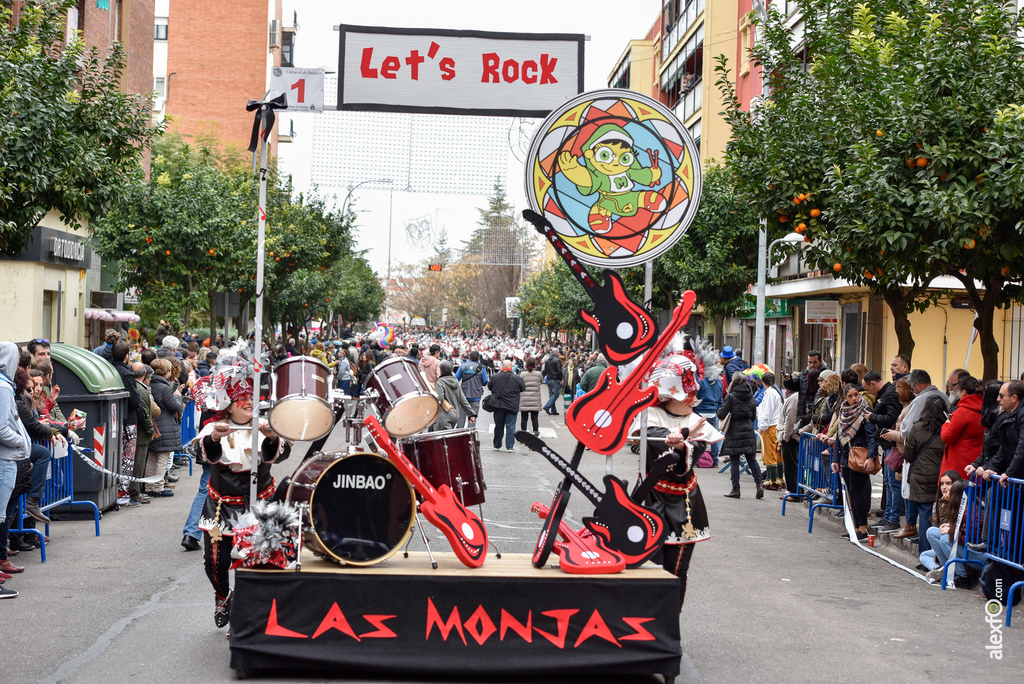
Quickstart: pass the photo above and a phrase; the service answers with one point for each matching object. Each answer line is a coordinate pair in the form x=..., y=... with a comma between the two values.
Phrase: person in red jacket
x=963, y=433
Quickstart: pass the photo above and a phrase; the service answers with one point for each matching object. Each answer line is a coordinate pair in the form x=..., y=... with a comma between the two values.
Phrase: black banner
x=459, y=625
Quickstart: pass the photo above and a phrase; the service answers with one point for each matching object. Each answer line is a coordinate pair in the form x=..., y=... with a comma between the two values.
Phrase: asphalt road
x=766, y=601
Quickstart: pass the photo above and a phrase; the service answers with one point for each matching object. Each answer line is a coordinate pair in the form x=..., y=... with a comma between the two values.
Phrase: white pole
x=762, y=276
x=648, y=287
x=258, y=325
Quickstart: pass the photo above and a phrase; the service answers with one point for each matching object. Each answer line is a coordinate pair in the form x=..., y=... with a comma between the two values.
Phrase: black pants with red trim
x=217, y=562
x=677, y=561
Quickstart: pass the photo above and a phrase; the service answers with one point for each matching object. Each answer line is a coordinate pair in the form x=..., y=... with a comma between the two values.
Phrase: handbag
x=490, y=403
x=859, y=461
x=723, y=425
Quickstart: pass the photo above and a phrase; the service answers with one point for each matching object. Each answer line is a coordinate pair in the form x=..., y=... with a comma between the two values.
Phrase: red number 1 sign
x=303, y=88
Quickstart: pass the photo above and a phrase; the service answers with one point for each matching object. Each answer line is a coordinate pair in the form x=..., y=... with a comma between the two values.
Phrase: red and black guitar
x=463, y=529
x=601, y=418
x=624, y=329
x=581, y=555
x=626, y=527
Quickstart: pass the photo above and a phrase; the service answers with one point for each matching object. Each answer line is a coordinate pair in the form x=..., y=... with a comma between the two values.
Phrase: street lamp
x=344, y=204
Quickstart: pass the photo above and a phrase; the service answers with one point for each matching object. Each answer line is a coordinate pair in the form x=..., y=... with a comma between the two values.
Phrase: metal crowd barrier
x=59, y=491
x=188, y=431
x=1001, y=510
x=815, y=479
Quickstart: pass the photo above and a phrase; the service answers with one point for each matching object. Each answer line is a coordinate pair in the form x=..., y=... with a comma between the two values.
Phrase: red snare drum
x=356, y=508
x=450, y=457
x=301, y=389
x=404, y=400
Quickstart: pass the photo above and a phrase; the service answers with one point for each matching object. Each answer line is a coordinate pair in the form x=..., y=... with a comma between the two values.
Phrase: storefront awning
x=112, y=315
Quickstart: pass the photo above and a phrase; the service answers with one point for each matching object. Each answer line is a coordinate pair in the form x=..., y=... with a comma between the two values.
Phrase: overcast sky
x=609, y=24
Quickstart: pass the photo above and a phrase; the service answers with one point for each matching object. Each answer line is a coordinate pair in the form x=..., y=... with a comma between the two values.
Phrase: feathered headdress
x=231, y=378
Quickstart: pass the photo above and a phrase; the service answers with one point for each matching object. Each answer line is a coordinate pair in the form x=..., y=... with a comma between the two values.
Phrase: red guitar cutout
x=548, y=536
x=601, y=418
x=463, y=529
x=624, y=329
x=634, y=531
x=582, y=555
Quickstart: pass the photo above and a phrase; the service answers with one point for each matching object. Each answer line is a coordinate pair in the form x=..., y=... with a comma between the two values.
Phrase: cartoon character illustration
x=611, y=169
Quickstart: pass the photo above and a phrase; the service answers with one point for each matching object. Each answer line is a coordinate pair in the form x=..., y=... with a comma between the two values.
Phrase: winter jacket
x=14, y=441
x=787, y=420
x=740, y=437
x=589, y=379
x=886, y=412
x=128, y=380
x=734, y=365
x=571, y=377
x=203, y=368
x=710, y=396
x=916, y=406
x=865, y=437
x=473, y=377
x=507, y=387
x=170, y=409
x=431, y=367
x=37, y=430
x=104, y=351
x=552, y=369
x=1011, y=448
x=798, y=383
x=531, y=397
x=924, y=454
x=147, y=424
x=447, y=387
x=963, y=435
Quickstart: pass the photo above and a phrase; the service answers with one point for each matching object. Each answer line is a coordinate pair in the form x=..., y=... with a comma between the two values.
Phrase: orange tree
x=891, y=140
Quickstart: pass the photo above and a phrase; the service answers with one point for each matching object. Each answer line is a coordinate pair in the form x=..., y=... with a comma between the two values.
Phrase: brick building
x=212, y=58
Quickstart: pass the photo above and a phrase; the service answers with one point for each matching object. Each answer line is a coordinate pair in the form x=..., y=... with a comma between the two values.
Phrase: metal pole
x=648, y=296
x=387, y=294
x=762, y=275
x=257, y=366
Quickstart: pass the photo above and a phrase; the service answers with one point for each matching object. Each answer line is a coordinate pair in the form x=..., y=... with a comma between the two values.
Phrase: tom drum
x=404, y=399
x=301, y=388
x=450, y=457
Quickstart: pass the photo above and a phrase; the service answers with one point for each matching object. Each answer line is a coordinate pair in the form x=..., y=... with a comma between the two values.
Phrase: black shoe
x=19, y=544
x=190, y=543
x=7, y=593
x=978, y=548
x=962, y=582
x=222, y=613
x=921, y=568
x=734, y=494
x=165, y=492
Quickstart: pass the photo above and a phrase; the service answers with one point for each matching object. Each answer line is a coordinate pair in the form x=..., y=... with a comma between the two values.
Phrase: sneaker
x=510, y=449
x=962, y=582
x=133, y=503
x=495, y=448
x=171, y=478
x=934, y=576
x=889, y=526
x=166, y=492
x=144, y=499
x=7, y=593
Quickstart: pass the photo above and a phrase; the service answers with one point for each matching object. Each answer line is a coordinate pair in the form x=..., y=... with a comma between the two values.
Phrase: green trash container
x=90, y=383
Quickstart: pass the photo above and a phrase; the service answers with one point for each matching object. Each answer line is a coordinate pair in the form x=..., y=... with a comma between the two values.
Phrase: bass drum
x=357, y=509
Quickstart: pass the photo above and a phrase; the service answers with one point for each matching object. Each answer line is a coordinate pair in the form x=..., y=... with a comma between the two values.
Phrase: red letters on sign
x=495, y=70
x=511, y=72
x=392, y=65
x=454, y=621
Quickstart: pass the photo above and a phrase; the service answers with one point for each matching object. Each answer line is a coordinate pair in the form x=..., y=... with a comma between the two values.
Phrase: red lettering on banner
x=529, y=71
x=335, y=619
x=434, y=47
x=562, y=620
x=547, y=69
x=640, y=634
x=454, y=621
x=491, y=62
x=596, y=627
x=390, y=67
x=510, y=70
x=525, y=631
x=364, y=67
x=447, y=69
x=480, y=626
x=274, y=629
x=383, y=632
x=414, y=60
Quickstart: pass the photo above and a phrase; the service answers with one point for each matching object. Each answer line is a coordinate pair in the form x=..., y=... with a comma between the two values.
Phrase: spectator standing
x=552, y=373
x=589, y=379
x=14, y=448
x=430, y=364
x=799, y=383
x=739, y=436
x=884, y=415
x=473, y=377
x=923, y=451
x=1009, y=461
x=145, y=433
x=169, y=440
x=991, y=416
x=109, y=339
x=854, y=430
x=789, y=442
x=129, y=435
x=732, y=362
x=963, y=434
x=530, y=401
x=449, y=391
x=709, y=399
x=921, y=383
x=768, y=414
x=507, y=387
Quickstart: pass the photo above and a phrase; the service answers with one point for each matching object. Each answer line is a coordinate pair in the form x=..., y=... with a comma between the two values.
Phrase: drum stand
x=480, y=507
x=426, y=542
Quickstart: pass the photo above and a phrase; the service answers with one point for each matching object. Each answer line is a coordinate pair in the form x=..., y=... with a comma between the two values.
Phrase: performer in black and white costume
x=674, y=425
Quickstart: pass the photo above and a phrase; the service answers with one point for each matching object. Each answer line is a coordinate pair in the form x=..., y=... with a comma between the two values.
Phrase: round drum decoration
x=617, y=175
x=356, y=508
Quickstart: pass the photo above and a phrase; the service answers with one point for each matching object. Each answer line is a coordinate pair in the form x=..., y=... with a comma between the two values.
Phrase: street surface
x=766, y=601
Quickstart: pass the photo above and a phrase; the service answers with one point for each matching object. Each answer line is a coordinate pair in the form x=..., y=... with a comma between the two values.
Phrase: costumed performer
x=676, y=495
x=226, y=442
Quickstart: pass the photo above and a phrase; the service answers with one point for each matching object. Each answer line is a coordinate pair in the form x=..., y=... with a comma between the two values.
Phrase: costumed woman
x=226, y=443
x=674, y=425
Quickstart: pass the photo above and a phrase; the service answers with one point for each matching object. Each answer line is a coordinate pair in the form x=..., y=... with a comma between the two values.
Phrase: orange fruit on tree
x=837, y=267
x=815, y=213
x=807, y=238
x=879, y=133
x=922, y=162
x=969, y=244
x=783, y=218
x=869, y=275
x=796, y=200
x=1004, y=271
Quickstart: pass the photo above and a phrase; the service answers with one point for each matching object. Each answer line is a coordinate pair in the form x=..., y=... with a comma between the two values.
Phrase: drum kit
x=356, y=506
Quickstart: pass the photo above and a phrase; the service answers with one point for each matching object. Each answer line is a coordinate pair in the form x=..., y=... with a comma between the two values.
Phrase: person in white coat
x=768, y=413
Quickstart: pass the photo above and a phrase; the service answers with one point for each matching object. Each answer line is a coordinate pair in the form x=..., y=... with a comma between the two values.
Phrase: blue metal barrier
x=1002, y=510
x=188, y=431
x=59, y=491
x=815, y=478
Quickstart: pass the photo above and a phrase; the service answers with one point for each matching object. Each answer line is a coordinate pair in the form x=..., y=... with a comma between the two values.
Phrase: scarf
x=850, y=419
